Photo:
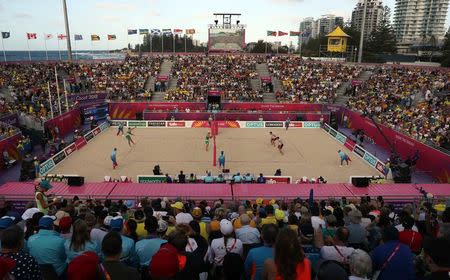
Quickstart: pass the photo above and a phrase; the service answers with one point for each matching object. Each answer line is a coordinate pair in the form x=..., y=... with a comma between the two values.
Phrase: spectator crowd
x=60, y=238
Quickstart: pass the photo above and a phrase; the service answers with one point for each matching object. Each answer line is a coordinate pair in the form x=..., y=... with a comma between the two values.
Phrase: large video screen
x=226, y=39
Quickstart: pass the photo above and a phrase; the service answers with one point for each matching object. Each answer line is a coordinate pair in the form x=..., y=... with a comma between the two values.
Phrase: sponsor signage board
x=380, y=166
x=370, y=159
x=80, y=142
x=89, y=136
x=96, y=131
x=359, y=151
x=103, y=126
x=274, y=124
x=296, y=124
x=151, y=179
x=311, y=124
x=46, y=167
x=340, y=137
x=332, y=132
x=137, y=123
x=59, y=157
x=156, y=123
x=326, y=127
x=117, y=123
x=176, y=124
x=70, y=149
x=255, y=124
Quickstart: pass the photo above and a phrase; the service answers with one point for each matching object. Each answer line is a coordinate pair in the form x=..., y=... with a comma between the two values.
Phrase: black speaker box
x=75, y=181
x=362, y=182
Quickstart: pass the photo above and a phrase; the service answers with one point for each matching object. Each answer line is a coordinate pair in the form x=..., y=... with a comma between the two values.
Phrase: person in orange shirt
x=289, y=261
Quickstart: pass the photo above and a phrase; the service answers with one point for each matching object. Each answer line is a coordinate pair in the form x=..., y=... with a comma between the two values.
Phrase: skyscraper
x=374, y=16
x=416, y=21
x=327, y=23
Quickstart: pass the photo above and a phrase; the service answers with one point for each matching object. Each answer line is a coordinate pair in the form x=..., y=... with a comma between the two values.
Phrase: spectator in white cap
x=226, y=244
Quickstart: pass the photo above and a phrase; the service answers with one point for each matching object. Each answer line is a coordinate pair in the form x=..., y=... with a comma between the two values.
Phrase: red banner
x=245, y=106
x=275, y=116
x=128, y=110
x=266, y=79
x=10, y=145
x=431, y=160
x=80, y=142
x=70, y=149
x=66, y=122
x=176, y=124
x=214, y=93
x=162, y=78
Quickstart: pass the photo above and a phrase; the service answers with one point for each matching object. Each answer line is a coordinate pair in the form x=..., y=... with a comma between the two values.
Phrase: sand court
x=307, y=152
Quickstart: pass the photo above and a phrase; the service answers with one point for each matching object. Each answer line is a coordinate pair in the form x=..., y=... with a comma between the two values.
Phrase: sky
x=104, y=17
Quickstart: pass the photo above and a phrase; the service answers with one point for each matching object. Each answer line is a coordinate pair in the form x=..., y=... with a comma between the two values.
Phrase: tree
x=260, y=47
x=446, y=51
x=381, y=42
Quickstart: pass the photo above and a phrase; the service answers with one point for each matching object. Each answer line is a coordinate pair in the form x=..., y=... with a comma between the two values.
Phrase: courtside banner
x=255, y=124
x=151, y=179
x=274, y=124
x=311, y=124
x=70, y=149
x=156, y=123
x=46, y=167
x=117, y=123
x=176, y=124
x=137, y=124
x=80, y=142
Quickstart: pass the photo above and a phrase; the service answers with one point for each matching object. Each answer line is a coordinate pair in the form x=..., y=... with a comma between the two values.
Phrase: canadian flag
x=62, y=36
x=178, y=31
x=31, y=36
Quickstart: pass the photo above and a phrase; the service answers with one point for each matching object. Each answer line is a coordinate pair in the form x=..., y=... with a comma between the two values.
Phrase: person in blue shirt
x=261, y=179
x=344, y=157
x=47, y=247
x=80, y=241
x=120, y=129
x=146, y=248
x=208, y=178
x=237, y=178
x=256, y=257
x=220, y=178
x=128, y=250
x=287, y=123
x=221, y=160
x=114, y=158
x=393, y=259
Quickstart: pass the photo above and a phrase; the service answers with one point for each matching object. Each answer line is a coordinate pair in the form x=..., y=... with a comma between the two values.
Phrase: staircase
x=166, y=68
x=255, y=84
x=341, y=97
x=263, y=70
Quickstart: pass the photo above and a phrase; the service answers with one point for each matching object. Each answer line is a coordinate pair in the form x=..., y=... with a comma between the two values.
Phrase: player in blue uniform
x=221, y=160
x=114, y=158
x=120, y=128
x=344, y=157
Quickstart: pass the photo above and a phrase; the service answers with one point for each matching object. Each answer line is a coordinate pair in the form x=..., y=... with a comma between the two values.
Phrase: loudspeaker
x=402, y=174
x=75, y=181
x=361, y=182
x=333, y=121
x=139, y=116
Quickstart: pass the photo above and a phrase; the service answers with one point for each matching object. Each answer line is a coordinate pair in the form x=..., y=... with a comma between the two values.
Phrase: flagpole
x=185, y=48
x=301, y=43
x=50, y=99
x=151, y=50
x=3, y=45
x=76, y=53
x=28, y=45
x=173, y=39
x=57, y=90
x=65, y=93
x=59, y=51
x=45, y=44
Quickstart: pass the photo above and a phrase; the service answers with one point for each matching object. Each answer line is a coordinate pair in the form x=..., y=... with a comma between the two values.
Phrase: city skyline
x=115, y=17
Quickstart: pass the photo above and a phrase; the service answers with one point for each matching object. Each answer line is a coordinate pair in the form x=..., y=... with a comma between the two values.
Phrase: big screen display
x=226, y=39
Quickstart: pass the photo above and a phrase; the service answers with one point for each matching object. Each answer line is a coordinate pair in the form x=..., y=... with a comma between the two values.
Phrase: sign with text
x=45, y=167
x=340, y=137
x=370, y=159
x=359, y=151
x=59, y=157
x=274, y=124
x=176, y=124
x=156, y=124
x=311, y=124
x=80, y=142
x=257, y=124
x=70, y=149
x=89, y=136
x=137, y=124
x=151, y=179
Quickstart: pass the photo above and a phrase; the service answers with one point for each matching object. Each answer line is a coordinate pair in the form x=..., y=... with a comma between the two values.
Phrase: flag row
x=160, y=31
x=95, y=37
x=291, y=33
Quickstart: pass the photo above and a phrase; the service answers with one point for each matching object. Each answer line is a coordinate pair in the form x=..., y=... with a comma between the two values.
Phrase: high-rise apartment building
x=374, y=16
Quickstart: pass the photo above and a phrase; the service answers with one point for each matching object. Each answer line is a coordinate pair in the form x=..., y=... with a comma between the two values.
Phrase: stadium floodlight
x=237, y=22
x=216, y=21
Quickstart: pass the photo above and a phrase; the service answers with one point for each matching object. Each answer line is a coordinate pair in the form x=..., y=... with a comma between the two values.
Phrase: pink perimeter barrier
x=194, y=191
x=128, y=110
x=24, y=191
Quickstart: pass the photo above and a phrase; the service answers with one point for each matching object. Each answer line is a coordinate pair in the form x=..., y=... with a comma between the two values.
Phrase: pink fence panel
x=66, y=122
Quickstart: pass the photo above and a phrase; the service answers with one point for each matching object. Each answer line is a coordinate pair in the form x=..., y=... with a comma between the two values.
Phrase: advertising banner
x=241, y=116
x=70, y=149
x=59, y=157
x=311, y=124
x=151, y=179
x=257, y=124
x=85, y=98
x=274, y=124
x=156, y=124
x=296, y=124
x=430, y=160
x=66, y=122
x=137, y=124
x=176, y=124
x=128, y=110
x=80, y=142
x=273, y=106
x=45, y=167
x=214, y=93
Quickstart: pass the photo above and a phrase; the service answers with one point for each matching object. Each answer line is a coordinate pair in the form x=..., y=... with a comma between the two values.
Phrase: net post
x=214, y=152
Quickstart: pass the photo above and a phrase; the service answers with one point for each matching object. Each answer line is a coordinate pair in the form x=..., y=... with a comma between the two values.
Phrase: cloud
x=155, y=14
x=110, y=18
x=115, y=6
x=22, y=15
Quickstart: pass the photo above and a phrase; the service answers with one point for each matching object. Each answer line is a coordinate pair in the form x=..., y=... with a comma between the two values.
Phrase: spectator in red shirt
x=409, y=237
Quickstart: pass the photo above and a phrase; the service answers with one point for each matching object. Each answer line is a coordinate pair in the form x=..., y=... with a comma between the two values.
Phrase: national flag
x=143, y=31
x=95, y=37
x=31, y=36
x=48, y=36
x=78, y=37
x=281, y=33
x=62, y=36
x=132, y=31
x=178, y=31
x=271, y=33
x=111, y=37
x=167, y=31
x=156, y=31
x=6, y=35
x=295, y=33
x=190, y=31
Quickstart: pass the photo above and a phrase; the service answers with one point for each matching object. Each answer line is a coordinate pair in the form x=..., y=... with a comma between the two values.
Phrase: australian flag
x=6, y=35
x=78, y=37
